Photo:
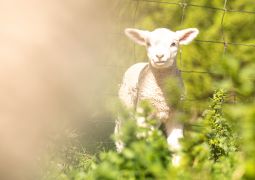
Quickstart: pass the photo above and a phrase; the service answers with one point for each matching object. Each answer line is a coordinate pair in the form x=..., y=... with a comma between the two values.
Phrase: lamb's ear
x=139, y=36
x=187, y=35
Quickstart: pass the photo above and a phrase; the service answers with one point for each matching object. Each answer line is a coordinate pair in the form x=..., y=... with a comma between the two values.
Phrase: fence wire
x=183, y=4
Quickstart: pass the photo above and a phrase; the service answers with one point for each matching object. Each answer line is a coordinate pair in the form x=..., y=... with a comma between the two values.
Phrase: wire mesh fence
x=184, y=5
x=132, y=17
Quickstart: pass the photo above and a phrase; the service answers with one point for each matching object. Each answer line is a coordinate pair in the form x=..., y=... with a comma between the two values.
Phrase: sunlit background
x=52, y=77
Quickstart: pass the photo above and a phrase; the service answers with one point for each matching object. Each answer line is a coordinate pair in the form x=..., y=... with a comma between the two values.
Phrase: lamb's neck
x=161, y=74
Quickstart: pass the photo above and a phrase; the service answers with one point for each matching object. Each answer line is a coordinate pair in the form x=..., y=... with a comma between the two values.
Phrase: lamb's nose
x=160, y=56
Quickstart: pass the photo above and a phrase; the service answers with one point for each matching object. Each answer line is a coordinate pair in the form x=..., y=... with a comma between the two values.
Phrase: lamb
x=145, y=80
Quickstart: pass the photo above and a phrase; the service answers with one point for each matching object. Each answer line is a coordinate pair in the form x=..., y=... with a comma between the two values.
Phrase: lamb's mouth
x=160, y=62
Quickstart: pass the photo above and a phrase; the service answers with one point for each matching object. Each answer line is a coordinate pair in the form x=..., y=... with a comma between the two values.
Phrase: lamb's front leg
x=174, y=134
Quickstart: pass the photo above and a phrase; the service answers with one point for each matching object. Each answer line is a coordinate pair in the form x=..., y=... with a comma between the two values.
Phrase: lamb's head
x=162, y=44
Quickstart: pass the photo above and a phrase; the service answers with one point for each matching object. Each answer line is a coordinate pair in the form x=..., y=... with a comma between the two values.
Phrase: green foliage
x=217, y=145
x=242, y=112
x=219, y=136
x=145, y=155
x=208, y=150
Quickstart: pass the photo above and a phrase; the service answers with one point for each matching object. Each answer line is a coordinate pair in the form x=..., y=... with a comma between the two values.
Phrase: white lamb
x=145, y=81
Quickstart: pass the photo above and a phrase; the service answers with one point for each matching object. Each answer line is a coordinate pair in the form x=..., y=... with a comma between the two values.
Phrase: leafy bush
x=209, y=150
x=145, y=155
x=217, y=145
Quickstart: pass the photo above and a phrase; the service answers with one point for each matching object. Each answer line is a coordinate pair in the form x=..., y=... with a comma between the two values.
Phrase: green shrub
x=209, y=149
x=220, y=144
x=145, y=155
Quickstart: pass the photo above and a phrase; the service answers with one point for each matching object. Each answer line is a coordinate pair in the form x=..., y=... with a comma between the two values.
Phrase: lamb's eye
x=173, y=44
x=148, y=43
